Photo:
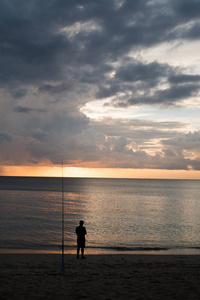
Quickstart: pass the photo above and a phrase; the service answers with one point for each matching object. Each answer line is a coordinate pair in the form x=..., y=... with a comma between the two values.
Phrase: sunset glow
x=99, y=172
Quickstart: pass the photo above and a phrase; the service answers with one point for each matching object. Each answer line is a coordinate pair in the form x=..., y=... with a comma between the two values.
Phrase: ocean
x=120, y=215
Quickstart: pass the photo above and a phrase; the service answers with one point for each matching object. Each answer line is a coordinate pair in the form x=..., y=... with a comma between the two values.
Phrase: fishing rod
x=63, y=223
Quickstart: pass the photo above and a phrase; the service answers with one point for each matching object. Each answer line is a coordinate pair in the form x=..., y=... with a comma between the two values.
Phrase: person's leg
x=78, y=250
x=82, y=252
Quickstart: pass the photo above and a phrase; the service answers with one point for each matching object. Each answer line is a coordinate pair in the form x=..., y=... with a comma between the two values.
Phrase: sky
x=108, y=88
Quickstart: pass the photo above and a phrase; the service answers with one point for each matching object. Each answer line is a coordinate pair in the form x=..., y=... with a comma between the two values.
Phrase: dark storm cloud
x=56, y=55
x=23, y=109
x=28, y=46
x=141, y=83
x=166, y=97
x=55, y=89
x=177, y=79
x=177, y=92
x=132, y=77
x=142, y=72
x=33, y=46
x=186, y=9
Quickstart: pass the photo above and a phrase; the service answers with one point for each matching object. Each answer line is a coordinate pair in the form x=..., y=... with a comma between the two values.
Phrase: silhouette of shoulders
x=80, y=231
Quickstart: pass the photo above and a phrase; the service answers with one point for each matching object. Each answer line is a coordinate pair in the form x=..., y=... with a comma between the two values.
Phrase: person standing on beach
x=81, y=232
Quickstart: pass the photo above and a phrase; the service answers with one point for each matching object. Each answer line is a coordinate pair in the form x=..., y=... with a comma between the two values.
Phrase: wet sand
x=40, y=276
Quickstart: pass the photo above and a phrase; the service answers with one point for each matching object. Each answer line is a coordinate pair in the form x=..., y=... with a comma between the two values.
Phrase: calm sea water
x=121, y=215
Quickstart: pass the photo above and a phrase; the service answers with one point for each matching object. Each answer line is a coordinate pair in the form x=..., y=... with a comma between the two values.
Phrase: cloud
x=23, y=109
x=189, y=141
x=5, y=137
x=55, y=89
x=139, y=130
x=142, y=72
x=55, y=56
x=182, y=78
x=19, y=93
x=35, y=47
x=144, y=83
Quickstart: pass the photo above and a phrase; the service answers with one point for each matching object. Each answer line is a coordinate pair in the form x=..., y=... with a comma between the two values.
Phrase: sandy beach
x=39, y=276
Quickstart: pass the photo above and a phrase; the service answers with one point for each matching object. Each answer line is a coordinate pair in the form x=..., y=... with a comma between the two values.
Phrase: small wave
x=125, y=249
x=121, y=248
x=106, y=249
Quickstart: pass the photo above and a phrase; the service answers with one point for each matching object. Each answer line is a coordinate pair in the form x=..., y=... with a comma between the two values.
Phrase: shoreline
x=110, y=276
x=96, y=251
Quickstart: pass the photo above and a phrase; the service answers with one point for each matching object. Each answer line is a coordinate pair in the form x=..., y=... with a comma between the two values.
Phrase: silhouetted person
x=81, y=232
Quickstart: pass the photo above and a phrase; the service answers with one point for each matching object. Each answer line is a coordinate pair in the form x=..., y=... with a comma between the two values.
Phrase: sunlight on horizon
x=43, y=171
